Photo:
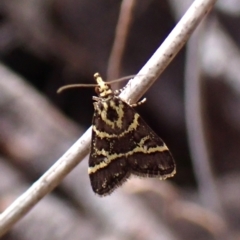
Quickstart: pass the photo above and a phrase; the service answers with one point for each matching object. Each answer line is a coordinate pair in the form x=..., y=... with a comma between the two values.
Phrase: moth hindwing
x=123, y=144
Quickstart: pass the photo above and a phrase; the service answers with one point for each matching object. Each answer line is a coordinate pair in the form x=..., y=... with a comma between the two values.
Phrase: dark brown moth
x=123, y=144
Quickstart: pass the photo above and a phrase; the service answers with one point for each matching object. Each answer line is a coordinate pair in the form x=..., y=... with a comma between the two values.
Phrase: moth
x=123, y=144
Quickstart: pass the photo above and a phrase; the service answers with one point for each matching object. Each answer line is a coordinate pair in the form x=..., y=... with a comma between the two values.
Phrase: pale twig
x=134, y=90
x=167, y=51
x=122, y=30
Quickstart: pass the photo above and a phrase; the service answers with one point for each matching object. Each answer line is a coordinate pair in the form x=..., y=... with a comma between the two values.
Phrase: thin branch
x=134, y=90
x=122, y=30
x=168, y=50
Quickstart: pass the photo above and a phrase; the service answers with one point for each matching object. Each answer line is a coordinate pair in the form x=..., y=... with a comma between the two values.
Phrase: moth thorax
x=102, y=89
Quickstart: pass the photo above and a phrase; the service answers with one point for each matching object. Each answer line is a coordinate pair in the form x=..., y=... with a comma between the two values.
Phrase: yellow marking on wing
x=104, y=184
x=110, y=157
x=131, y=127
x=103, y=113
x=120, y=112
x=168, y=175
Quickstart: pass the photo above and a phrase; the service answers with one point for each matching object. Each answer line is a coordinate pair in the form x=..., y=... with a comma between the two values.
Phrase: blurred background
x=194, y=107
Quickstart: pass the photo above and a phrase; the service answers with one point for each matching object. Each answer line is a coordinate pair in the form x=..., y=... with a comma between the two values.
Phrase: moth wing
x=105, y=180
x=105, y=175
x=108, y=173
x=151, y=158
x=132, y=148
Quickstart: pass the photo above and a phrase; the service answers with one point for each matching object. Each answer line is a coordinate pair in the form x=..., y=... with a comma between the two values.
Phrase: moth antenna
x=96, y=75
x=126, y=78
x=61, y=89
x=121, y=79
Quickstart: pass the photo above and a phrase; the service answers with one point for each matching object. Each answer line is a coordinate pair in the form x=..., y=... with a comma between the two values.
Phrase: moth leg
x=97, y=99
x=117, y=91
x=138, y=103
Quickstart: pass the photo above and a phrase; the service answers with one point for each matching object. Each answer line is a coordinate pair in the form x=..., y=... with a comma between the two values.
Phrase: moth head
x=102, y=89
